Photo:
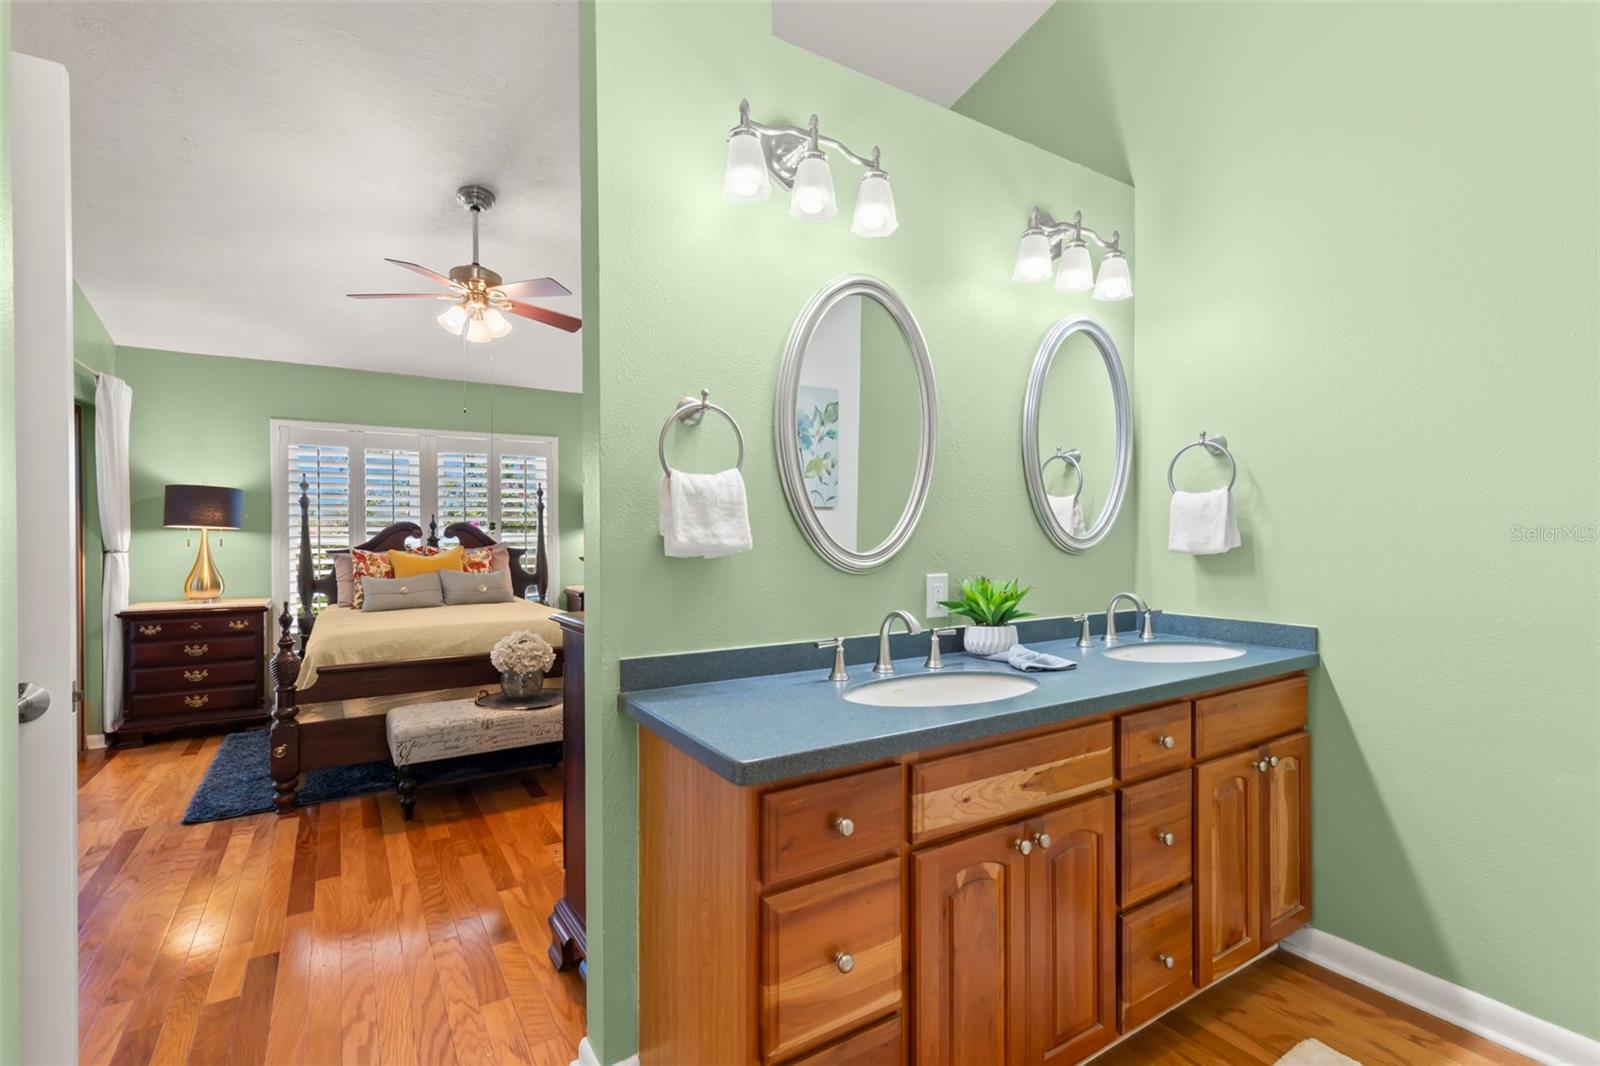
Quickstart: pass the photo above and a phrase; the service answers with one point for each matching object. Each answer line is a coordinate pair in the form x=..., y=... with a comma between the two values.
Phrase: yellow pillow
x=410, y=564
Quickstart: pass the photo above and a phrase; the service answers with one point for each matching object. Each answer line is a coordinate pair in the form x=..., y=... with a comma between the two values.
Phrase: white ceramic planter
x=988, y=640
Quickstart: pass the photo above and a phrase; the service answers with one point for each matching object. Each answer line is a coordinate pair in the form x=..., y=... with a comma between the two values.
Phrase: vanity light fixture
x=757, y=153
x=1046, y=239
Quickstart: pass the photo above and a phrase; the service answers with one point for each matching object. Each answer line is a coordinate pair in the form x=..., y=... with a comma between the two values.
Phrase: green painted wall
x=1367, y=241
x=200, y=418
x=10, y=863
x=685, y=291
x=91, y=344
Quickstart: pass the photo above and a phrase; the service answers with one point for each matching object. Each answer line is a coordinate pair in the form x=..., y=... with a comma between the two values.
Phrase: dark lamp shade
x=203, y=507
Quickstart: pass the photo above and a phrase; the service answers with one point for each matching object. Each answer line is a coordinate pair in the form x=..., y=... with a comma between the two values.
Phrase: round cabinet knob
x=1272, y=761
x=1024, y=846
x=1167, y=960
x=1165, y=740
x=1042, y=839
x=1167, y=838
x=844, y=826
x=845, y=961
x=1261, y=767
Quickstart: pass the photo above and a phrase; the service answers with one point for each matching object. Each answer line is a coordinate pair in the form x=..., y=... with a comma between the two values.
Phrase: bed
x=332, y=692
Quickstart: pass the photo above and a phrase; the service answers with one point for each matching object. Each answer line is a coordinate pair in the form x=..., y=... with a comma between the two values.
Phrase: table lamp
x=203, y=507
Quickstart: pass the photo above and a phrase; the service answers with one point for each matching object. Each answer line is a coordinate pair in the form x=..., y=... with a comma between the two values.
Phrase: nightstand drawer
x=191, y=704
x=813, y=827
x=151, y=681
x=199, y=650
x=219, y=625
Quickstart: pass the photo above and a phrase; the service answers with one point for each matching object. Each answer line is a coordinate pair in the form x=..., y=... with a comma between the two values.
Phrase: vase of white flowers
x=522, y=659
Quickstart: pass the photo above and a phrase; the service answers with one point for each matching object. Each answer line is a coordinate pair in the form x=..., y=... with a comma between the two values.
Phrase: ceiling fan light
x=497, y=323
x=453, y=318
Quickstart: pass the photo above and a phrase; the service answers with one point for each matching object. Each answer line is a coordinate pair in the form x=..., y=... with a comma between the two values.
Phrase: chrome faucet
x=884, y=666
x=1145, y=633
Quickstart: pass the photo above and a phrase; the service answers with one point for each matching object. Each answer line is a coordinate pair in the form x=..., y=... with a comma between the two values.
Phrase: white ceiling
x=933, y=48
x=239, y=167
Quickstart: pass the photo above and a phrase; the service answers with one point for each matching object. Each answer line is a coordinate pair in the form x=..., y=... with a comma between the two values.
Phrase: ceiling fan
x=477, y=295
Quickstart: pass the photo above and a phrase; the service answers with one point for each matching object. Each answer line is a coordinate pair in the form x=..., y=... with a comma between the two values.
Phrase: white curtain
x=113, y=408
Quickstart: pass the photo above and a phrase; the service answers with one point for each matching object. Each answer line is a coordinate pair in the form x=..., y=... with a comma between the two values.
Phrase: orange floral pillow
x=366, y=564
x=478, y=560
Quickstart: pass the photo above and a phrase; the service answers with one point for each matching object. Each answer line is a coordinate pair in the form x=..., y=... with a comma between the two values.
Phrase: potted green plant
x=992, y=607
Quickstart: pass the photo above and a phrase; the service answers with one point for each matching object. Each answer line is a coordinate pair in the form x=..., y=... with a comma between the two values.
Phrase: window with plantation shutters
x=362, y=479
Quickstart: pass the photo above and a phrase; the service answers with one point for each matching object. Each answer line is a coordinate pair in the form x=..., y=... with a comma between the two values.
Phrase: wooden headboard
x=394, y=537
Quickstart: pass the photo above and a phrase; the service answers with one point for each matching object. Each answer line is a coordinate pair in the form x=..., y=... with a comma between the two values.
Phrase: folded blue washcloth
x=1020, y=657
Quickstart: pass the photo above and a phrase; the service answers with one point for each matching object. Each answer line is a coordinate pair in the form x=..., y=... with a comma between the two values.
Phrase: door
x=1227, y=863
x=1072, y=957
x=1287, y=867
x=969, y=919
x=46, y=800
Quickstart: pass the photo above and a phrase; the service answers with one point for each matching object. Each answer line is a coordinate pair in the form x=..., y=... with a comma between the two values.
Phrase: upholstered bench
x=428, y=732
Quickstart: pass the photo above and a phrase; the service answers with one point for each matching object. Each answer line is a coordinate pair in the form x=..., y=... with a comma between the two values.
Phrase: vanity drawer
x=830, y=957
x=1008, y=779
x=200, y=650
x=1247, y=716
x=877, y=1045
x=1159, y=933
x=810, y=828
x=1151, y=741
x=1149, y=815
x=187, y=678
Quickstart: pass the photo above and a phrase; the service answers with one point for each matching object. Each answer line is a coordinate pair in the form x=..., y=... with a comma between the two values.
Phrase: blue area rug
x=237, y=782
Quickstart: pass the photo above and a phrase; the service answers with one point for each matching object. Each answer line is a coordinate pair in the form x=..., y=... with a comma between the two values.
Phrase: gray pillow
x=344, y=579
x=401, y=593
x=493, y=587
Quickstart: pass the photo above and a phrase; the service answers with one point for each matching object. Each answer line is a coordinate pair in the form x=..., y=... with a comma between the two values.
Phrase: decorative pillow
x=365, y=564
x=344, y=580
x=401, y=593
x=408, y=563
x=485, y=560
x=476, y=587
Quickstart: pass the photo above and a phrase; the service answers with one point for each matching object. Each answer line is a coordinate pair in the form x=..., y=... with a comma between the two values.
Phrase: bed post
x=307, y=569
x=284, y=736
x=433, y=531
x=541, y=561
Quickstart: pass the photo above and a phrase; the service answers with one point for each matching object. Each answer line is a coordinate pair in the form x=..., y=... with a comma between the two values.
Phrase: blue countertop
x=753, y=730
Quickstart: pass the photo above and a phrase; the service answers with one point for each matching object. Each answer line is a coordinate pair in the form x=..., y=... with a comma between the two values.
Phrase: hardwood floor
x=1258, y=1014
x=339, y=935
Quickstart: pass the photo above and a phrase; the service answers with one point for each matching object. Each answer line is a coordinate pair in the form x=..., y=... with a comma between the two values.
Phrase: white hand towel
x=1202, y=523
x=1069, y=512
x=704, y=515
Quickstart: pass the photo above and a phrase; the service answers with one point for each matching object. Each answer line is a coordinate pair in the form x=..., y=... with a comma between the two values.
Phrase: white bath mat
x=1315, y=1053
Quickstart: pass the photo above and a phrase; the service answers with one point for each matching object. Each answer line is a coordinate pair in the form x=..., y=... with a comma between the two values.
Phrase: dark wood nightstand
x=192, y=664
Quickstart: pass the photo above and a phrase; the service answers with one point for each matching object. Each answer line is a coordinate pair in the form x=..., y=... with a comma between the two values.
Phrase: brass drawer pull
x=240, y=623
x=194, y=651
x=196, y=701
x=845, y=961
x=149, y=631
x=844, y=826
x=1166, y=960
x=196, y=675
x=195, y=627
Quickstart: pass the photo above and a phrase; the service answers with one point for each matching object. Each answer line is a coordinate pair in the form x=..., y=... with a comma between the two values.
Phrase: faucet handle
x=935, y=660
x=1084, y=640
x=1148, y=632
x=837, y=644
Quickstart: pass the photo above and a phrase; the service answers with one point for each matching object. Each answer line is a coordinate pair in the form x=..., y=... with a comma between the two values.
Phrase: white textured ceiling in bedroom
x=239, y=167
x=936, y=49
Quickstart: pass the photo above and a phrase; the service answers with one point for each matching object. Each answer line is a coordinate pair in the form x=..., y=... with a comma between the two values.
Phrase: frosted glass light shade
x=1033, y=258
x=497, y=323
x=1076, y=272
x=454, y=317
x=1114, y=283
x=875, y=215
x=745, y=178
x=812, y=197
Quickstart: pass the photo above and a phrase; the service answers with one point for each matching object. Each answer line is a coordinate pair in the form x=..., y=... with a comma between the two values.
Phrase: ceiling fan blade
x=535, y=287
x=424, y=271
x=399, y=295
x=539, y=314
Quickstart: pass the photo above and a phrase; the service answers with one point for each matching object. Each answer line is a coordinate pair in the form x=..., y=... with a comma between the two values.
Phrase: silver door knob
x=1042, y=839
x=845, y=961
x=32, y=701
x=1024, y=846
x=1167, y=960
x=1272, y=761
x=844, y=826
x=1166, y=740
x=1261, y=767
x=1167, y=838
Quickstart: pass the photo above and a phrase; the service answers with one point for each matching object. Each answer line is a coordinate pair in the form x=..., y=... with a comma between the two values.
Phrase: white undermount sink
x=941, y=690
x=1173, y=652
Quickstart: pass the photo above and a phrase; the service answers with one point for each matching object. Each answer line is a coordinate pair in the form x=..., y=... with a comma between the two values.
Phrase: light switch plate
x=938, y=589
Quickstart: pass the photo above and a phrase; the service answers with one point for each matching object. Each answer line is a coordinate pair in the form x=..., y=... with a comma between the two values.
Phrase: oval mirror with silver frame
x=1077, y=433
x=856, y=422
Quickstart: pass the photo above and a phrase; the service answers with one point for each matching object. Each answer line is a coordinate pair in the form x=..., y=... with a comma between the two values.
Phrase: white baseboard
x=94, y=741
x=587, y=1057
x=1473, y=1011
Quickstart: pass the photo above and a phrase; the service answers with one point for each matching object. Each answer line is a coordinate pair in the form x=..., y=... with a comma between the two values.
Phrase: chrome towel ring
x=1216, y=446
x=690, y=411
x=1071, y=458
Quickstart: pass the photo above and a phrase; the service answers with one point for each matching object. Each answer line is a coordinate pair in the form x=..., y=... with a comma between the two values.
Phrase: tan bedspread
x=344, y=636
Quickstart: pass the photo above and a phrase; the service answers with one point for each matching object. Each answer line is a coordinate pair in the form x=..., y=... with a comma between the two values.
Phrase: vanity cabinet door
x=1287, y=873
x=1227, y=866
x=970, y=928
x=1072, y=941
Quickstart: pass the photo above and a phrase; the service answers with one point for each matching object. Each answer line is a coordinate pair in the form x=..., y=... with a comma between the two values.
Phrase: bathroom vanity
x=1017, y=881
